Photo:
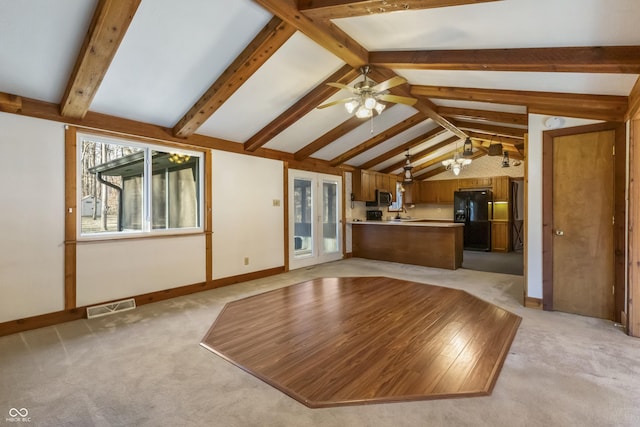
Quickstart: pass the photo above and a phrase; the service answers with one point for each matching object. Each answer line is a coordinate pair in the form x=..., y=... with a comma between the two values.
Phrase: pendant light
x=467, y=148
x=408, y=178
x=505, y=159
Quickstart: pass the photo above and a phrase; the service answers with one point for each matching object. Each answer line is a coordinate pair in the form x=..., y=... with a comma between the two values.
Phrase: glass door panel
x=330, y=224
x=303, y=217
x=315, y=218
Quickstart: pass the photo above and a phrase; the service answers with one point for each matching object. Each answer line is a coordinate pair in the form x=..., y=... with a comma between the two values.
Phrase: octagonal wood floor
x=345, y=341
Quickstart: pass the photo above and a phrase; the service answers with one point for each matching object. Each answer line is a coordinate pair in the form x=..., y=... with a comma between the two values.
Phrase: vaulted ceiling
x=251, y=73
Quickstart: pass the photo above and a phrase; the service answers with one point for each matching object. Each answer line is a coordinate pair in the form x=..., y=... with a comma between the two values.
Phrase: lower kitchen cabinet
x=500, y=236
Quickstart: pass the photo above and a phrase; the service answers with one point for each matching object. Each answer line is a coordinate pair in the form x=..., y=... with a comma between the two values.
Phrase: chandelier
x=457, y=163
x=178, y=158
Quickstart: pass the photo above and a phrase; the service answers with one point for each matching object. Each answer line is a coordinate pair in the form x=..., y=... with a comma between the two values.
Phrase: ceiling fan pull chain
x=372, y=124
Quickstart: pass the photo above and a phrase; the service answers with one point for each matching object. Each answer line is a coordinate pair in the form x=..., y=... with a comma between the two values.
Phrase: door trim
x=619, y=209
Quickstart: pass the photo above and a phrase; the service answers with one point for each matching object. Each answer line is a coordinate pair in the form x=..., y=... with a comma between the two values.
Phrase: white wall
x=109, y=270
x=245, y=222
x=534, y=199
x=31, y=217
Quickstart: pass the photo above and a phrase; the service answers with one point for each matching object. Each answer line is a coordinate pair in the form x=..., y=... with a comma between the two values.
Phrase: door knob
x=558, y=232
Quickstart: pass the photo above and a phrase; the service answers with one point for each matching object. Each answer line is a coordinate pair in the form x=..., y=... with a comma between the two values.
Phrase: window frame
x=147, y=229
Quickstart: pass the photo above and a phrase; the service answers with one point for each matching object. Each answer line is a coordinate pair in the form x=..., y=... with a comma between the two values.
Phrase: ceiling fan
x=367, y=94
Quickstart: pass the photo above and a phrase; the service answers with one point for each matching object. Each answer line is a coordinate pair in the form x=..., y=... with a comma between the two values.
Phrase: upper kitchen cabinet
x=470, y=183
x=501, y=187
x=366, y=182
x=437, y=191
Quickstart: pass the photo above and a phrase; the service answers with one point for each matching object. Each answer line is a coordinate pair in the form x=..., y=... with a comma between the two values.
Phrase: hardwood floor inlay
x=354, y=340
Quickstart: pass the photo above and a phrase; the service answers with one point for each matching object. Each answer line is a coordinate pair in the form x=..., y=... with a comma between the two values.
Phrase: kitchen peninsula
x=426, y=243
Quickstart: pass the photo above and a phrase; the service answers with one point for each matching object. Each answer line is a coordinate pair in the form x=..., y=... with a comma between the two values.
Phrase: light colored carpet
x=146, y=368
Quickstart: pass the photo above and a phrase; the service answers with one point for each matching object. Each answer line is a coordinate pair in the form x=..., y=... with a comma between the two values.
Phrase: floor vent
x=110, y=308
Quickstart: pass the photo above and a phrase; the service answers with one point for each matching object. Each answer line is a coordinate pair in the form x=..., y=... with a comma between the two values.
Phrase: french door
x=315, y=218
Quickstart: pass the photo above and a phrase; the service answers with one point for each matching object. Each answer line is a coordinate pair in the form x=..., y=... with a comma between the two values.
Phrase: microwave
x=383, y=198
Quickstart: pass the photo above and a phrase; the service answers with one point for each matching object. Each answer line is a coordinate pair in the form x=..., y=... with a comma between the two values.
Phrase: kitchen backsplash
x=423, y=211
x=431, y=211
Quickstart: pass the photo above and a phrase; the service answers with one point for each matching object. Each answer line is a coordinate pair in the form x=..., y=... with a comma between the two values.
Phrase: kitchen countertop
x=411, y=223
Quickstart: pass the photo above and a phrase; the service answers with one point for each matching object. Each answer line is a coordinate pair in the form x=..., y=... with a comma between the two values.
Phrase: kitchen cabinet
x=438, y=191
x=500, y=236
x=412, y=193
x=469, y=183
x=501, y=188
x=366, y=182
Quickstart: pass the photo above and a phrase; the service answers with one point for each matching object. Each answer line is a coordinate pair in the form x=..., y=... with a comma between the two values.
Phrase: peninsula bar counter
x=426, y=243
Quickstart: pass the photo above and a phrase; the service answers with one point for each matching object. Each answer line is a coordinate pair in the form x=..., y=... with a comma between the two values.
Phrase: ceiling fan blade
x=388, y=84
x=341, y=86
x=397, y=99
x=330, y=104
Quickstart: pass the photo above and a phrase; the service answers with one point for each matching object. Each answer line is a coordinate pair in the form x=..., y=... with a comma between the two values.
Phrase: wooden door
x=582, y=233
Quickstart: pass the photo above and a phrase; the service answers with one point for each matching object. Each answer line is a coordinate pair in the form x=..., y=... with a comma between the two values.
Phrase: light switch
x=276, y=202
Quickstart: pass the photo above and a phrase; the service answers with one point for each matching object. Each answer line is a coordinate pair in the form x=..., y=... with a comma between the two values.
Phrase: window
x=397, y=205
x=131, y=187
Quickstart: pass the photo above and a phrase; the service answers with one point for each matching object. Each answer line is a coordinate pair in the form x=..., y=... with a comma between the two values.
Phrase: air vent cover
x=110, y=308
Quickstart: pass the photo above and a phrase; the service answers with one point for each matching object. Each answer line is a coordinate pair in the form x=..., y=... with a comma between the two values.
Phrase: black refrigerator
x=473, y=208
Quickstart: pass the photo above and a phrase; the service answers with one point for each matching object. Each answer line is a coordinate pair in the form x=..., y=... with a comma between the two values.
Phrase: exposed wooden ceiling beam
x=492, y=129
x=403, y=147
x=261, y=48
x=311, y=100
x=440, y=169
x=333, y=9
x=588, y=106
x=323, y=32
x=345, y=127
x=424, y=105
x=484, y=115
x=599, y=59
x=10, y=103
x=490, y=138
x=379, y=138
x=421, y=154
x=110, y=22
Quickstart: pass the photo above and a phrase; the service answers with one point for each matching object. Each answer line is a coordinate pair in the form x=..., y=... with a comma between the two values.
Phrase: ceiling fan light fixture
x=456, y=169
x=351, y=106
x=363, y=112
x=380, y=107
x=369, y=102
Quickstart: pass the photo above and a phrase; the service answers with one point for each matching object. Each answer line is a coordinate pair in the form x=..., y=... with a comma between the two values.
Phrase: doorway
x=579, y=220
x=315, y=218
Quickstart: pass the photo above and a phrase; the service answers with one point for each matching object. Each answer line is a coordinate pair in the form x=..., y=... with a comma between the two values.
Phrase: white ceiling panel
x=172, y=53
x=500, y=24
x=39, y=43
x=311, y=126
x=367, y=130
x=295, y=69
x=487, y=106
x=587, y=83
x=433, y=141
x=391, y=143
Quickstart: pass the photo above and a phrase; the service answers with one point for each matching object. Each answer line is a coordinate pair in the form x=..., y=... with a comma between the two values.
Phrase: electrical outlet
x=276, y=202
x=246, y=260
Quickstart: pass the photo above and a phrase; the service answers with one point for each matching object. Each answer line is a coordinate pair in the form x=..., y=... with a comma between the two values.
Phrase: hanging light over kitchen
x=467, y=148
x=505, y=159
x=408, y=177
x=457, y=163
